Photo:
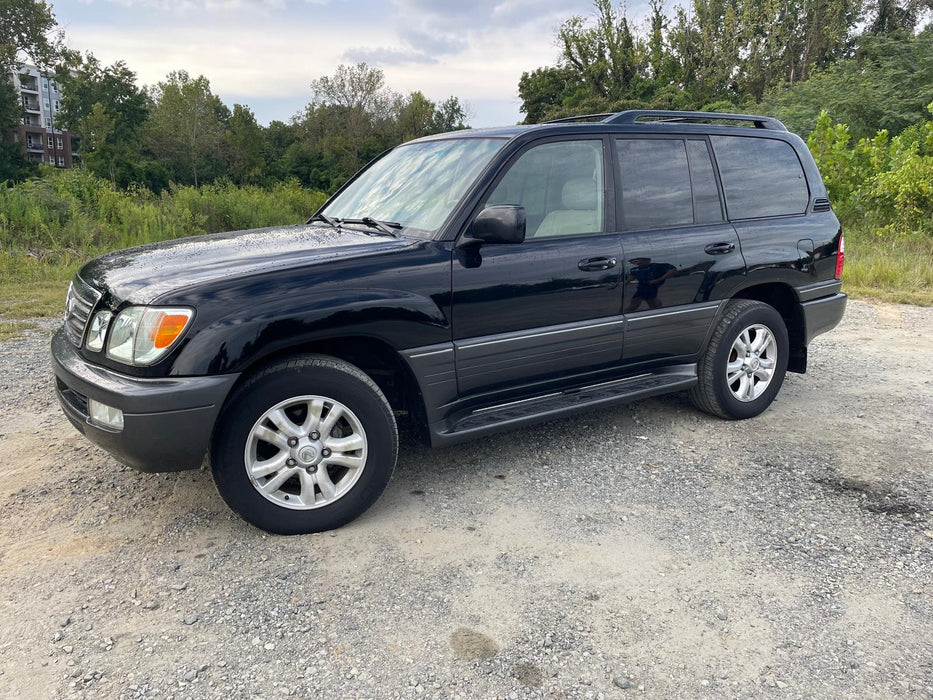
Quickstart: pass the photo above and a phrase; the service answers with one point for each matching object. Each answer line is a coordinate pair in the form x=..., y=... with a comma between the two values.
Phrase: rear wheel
x=305, y=445
x=744, y=365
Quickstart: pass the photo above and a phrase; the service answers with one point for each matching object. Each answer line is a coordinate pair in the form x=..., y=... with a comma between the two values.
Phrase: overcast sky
x=264, y=53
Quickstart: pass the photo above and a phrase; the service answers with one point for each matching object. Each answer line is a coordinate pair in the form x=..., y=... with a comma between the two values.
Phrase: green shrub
x=76, y=211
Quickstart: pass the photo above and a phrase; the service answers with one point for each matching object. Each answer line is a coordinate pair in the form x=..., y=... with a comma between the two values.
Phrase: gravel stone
x=788, y=555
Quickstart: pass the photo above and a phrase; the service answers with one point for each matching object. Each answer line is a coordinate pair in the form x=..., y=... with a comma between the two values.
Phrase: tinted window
x=655, y=183
x=706, y=203
x=560, y=185
x=760, y=177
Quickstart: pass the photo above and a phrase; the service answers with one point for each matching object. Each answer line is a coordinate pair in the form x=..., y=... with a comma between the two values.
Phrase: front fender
x=233, y=341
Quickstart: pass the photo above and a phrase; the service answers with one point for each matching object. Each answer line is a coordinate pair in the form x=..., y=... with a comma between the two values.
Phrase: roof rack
x=583, y=118
x=632, y=116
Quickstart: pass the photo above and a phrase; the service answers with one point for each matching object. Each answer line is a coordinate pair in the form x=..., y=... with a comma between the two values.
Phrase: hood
x=147, y=272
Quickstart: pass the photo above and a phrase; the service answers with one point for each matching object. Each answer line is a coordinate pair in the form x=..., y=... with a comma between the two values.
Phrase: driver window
x=560, y=185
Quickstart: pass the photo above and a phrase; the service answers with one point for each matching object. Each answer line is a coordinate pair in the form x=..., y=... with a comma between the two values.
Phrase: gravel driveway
x=643, y=551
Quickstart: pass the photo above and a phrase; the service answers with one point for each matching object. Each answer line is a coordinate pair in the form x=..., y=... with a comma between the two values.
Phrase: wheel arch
x=783, y=299
x=373, y=356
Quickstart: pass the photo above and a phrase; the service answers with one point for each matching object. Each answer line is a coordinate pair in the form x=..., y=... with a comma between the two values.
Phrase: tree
x=186, y=128
x=29, y=27
x=891, y=16
x=13, y=166
x=244, y=145
x=104, y=105
x=360, y=95
x=417, y=116
x=885, y=85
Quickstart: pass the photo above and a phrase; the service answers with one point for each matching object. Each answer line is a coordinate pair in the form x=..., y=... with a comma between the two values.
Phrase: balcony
x=28, y=84
x=35, y=146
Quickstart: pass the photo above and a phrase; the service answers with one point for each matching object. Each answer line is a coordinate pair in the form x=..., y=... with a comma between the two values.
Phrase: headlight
x=97, y=330
x=141, y=335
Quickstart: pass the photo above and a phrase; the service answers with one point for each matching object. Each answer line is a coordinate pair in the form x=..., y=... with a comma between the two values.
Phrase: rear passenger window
x=706, y=203
x=655, y=183
x=760, y=177
x=667, y=183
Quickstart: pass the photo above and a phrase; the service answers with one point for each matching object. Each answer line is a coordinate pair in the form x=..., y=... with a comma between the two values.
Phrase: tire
x=306, y=444
x=735, y=387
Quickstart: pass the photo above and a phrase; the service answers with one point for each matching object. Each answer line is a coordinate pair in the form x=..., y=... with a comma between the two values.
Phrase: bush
x=75, y=211
x=886, y=183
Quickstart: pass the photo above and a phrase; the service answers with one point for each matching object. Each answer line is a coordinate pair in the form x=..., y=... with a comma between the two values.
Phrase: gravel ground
x=643, y=551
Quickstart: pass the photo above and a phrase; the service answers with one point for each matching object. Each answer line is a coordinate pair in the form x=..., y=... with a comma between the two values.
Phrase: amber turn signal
x=167, y=329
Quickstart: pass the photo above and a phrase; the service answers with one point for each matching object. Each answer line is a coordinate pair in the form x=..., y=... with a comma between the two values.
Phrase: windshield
x=417, y=185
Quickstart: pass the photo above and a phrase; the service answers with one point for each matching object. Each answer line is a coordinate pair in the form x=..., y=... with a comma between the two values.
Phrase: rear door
x=681, y=255
x=550, y=306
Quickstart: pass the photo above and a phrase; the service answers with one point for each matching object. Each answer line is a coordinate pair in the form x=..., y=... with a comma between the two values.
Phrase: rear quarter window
x=760, y=177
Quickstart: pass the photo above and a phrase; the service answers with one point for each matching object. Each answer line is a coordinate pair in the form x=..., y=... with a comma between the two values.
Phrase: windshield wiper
x=331, y=221
x=386, y=227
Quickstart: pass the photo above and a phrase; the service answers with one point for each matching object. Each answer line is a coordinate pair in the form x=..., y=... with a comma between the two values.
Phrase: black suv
x=475, y=281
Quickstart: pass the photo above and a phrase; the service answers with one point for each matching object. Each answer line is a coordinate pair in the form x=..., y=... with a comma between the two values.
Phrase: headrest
x=579, y=193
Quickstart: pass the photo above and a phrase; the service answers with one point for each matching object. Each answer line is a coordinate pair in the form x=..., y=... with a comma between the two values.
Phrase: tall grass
x=72, y=213
x=887, y=266
x=50, y=226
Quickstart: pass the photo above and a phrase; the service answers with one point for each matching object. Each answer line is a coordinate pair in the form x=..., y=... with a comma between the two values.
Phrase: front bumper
x=167, y=421
x=822, y=315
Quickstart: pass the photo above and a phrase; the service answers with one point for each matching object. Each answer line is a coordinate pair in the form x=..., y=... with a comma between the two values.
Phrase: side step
x=537, y=409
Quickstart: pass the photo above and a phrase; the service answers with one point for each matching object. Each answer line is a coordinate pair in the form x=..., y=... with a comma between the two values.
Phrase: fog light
x=104, y=415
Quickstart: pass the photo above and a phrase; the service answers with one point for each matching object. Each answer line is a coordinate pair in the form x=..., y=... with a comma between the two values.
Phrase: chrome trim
x=432, y=352
x=694, y=308
x=575, y=328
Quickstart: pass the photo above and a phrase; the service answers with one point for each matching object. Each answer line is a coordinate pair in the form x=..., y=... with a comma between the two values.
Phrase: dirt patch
x=470, y=645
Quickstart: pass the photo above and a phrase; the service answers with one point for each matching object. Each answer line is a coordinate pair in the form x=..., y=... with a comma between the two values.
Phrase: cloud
x=266, y=56
x=387, y=56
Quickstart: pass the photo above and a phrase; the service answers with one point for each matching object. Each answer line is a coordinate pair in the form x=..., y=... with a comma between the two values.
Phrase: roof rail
x=582, y=118
x=631, y=116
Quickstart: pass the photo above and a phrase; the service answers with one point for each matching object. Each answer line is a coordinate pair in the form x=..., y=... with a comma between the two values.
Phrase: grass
x=50, y=225
x=13, y=330
x=896, y=269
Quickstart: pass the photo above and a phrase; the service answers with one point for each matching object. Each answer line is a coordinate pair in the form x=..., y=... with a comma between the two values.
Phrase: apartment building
x=43, y=141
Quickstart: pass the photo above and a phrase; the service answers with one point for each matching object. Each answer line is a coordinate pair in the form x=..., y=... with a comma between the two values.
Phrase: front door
x=550, y=306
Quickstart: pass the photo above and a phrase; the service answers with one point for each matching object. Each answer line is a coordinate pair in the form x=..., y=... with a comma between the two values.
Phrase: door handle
x=720, y=248
x=592, y=264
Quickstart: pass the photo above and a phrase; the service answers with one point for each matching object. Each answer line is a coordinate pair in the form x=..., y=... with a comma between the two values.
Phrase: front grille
x=78, y=307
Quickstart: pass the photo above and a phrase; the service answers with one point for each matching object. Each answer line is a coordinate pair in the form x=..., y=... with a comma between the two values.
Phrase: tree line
x=866, y=62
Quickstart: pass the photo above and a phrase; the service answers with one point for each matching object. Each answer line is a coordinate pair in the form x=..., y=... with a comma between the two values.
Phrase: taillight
x=840, y=256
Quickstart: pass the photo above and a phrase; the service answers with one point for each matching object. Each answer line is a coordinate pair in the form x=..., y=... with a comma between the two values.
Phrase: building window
x=51, y=145
x=60, y=144
x=58, y=105
x=61, y=161
x=48, y=122
x=45, y=84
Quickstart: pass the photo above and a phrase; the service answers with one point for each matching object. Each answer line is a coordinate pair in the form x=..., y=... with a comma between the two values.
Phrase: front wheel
x=744, y=364
x=305, y=445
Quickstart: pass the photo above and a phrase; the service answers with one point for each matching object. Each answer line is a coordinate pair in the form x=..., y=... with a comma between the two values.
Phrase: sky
x=265, y=53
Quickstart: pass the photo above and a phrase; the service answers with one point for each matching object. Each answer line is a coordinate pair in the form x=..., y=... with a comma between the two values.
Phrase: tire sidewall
x=766, y=316
x=271, y=387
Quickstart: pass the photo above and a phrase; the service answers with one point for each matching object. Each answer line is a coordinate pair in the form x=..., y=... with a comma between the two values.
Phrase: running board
x=537, y=409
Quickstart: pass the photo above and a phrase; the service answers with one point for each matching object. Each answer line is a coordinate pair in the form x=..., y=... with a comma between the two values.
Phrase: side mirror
x=502, y=223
